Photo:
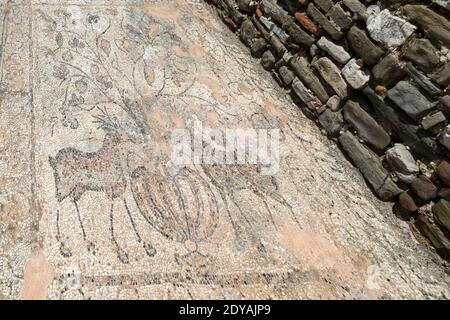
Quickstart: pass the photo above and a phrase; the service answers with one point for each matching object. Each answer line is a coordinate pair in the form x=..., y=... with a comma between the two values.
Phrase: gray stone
x=332, y=122
x=314, y=50
x=287, y=76
x=422, y=80
x=402, y=162
x=444, y=138
x=389, y=71
x=268, y=60
x=287, y=22
x=370, y=166
x=433, y=120
x=434, y=235
x=422, y=53
x=271, y=9
x=388, y=29
x=305, y=95
x=298, y=35
x=271, y=38
x=340, y=17
x=410, y=100
x=424, y=188
x=362, y=45
x=444, y=104
x=246, y=6
x=258, y=47
x=271, y=26
x=357, y=8
x=325, y=5
x=330, y=28
x=356, y=77
x=443, y=3
x=366, y=126
x=441, y=211
x=334, y=103
x=419, y=141
x=442, y=75
x=332, y=75
x=300, y=66
x=248, y=32
x=437, y=26
x=252, y=38
x=337, y=52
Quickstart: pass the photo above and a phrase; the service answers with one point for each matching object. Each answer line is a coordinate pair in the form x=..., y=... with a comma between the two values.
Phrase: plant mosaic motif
x=90, y=92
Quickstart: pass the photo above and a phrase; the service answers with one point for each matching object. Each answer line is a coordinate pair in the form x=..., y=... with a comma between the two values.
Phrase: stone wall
x=375, y=76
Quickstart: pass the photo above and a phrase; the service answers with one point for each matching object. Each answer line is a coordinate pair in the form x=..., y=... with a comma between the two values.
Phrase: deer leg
x=90, y=244
x=79, y=220
x=149, y=249
x=121, y=254
x=237, y=227
x=64, y=251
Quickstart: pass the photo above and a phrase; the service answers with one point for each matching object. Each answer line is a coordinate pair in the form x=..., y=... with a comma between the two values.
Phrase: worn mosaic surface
x=90, y=92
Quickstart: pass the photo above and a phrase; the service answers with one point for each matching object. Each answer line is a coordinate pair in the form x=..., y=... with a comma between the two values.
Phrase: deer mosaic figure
x=105, y=170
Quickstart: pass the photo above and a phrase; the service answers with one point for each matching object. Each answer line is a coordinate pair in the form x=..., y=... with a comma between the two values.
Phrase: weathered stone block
x=410, y=100
x=422, y=80
x=418, y=140
x=258, y=47
x=443, y=171
x=423, y=54
x=332, y=75
x=305, y=95
x=357, y=8
x=389, y=71
x=402, y=162
x=356, y=77
x=388, y=29
x=325, y=5
x=442, y=75
x=406, y=203
x=287, y=76
x=441, y=211
x=362, y=45
x=370, y=166
x=444, y=137
x=366, y=126
x=268, y=60
x=444, y=104
x=246, y=6
x=423, y=188
x=337, y=52
x=298, y=35
x=300, y=66
x=437, y=26
x=433, y=120
x=326, y=24
x=434, y=235
x=340, y=17
x=332, y=122
x=248, y=32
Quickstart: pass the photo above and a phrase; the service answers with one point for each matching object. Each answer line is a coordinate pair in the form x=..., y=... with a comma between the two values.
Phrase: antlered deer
x=105, y=170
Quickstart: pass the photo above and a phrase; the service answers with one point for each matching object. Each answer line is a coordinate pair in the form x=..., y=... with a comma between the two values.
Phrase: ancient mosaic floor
x=113, y=78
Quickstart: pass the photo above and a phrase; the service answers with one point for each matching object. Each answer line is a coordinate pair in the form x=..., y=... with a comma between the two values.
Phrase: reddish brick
x=258, y=12
x=307, y=23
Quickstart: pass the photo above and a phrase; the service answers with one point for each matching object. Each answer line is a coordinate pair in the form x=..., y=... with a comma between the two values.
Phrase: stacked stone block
x=377, y=79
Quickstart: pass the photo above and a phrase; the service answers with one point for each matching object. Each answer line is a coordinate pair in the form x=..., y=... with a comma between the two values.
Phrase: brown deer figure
x=105, y=170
